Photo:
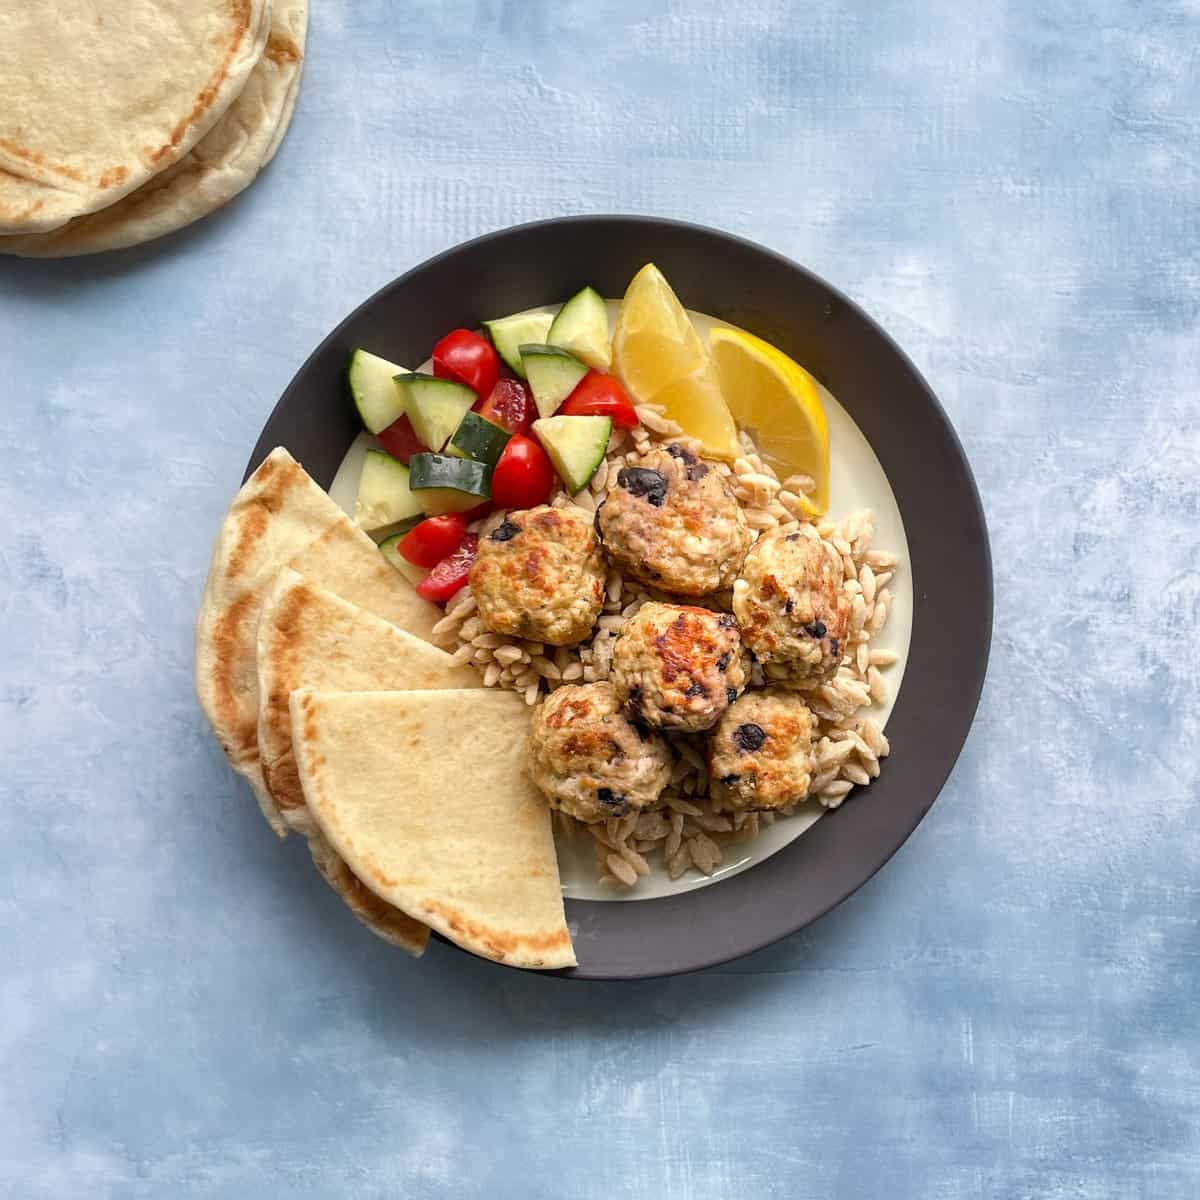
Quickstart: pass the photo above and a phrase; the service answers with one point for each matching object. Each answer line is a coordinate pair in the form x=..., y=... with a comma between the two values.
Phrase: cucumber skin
x=478, y=443
x=440, y=495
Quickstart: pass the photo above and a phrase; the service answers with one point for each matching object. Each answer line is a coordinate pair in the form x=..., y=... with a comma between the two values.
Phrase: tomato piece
x=467, y=358
x=600, y=395
x=450, y=575
x=524, y=476
x=509, y=405
x=400, y=440
x=425, y=545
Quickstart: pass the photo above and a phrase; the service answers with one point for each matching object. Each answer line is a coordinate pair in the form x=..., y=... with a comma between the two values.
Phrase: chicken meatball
x=791, y=607
x=760, y=754
x=678, y=667
x=671, y=521
x=590, y=760
x=540, y=575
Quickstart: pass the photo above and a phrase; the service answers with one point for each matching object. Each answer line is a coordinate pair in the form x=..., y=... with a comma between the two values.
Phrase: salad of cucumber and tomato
x=503, y=418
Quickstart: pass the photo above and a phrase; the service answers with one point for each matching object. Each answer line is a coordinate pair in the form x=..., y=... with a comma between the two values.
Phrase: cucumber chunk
x=445, y=484
x=384, y=494
x=434, y=406
x=508, y=334
x=553, y=375
x=478, y=438
x=576, y=446
x=581, y=328
x=372, y=384
x=390, y=549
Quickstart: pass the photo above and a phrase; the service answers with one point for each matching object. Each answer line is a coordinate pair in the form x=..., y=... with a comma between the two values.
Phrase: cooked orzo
x=847, y=743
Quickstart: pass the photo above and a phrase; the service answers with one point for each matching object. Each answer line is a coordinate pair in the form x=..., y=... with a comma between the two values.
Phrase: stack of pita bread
x=123, y=120
x=315, y=667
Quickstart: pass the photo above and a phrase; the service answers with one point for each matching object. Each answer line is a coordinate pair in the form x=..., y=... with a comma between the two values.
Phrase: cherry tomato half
x=400, y=440
x=509, y=405
x=450, y=575
x=425, y=545
x=600, y=395
x=467, y=358
x=524, y=476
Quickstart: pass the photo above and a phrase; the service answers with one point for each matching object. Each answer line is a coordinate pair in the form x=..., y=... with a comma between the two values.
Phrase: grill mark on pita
x=240, y=11
x=282, y=49
x=38, y=160
x=500, y=945
x=113, y=177
x=227, y=639
x=251, y=531
x=10, y=213
x=281, y=775
x=275, y=478
x=310, y=719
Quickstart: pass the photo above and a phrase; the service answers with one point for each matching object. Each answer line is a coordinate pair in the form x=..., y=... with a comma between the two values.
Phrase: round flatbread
x=98, y=98
x=219, y=166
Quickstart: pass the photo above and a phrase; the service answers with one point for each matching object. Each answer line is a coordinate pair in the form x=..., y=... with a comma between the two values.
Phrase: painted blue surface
x=1009, y=1009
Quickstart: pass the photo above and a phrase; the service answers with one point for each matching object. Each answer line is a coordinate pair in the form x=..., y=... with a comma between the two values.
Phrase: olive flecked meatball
x=590, y=760
x=791, y=608
x=760, y=754
x=678, y=667
x=671, y=521
x=539, y=575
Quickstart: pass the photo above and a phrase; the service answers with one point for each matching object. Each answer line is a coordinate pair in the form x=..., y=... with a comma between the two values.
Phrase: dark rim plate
x=747, y=285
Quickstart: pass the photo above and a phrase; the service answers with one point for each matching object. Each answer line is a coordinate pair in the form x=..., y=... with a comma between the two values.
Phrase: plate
x=886, y=406
x=858, y=482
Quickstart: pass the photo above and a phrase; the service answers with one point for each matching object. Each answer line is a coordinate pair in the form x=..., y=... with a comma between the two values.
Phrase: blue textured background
x=1009, y=1009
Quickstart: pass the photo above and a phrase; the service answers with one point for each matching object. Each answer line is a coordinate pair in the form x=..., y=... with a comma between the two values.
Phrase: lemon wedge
x=776, y=399
x=659, y=357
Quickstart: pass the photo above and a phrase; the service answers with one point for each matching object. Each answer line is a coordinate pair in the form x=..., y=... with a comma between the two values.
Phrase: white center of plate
x=857, y=482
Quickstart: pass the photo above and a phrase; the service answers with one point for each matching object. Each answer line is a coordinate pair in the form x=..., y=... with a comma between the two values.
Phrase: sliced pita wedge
x=380, y=917
x=426, y=797
x=309, y=637
x=281, y=516
x=278, y=512
x=346, y=561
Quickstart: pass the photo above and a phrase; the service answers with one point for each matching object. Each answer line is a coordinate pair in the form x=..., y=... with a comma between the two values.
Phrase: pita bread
x=377, y=915
x=98, y=98
x=310, y=638
x=280, y=518
x=223, y=163
x=346, y=561
x=426, y=797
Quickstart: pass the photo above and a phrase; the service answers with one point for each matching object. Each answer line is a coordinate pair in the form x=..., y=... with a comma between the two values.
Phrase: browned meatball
x=539, y=575
x=671, y=521
x=760, y=754
x=678, y=667
x=792, y=609
x=589, y=759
